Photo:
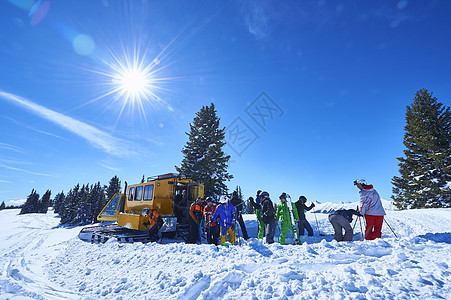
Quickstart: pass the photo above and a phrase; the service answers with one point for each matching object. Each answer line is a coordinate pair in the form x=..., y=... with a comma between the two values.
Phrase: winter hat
x=302, y=198
x=264, y=195
x=361, y=181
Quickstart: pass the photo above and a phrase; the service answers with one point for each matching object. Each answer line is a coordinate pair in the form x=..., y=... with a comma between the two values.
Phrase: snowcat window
x=111, y=208
x=148, y=192
x=139, y=193
x=131, y=194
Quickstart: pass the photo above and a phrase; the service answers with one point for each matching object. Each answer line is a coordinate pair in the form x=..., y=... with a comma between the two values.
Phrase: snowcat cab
x=171, y=194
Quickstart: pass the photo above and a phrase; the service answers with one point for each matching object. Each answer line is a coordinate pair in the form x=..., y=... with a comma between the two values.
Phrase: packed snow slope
x=40, y=260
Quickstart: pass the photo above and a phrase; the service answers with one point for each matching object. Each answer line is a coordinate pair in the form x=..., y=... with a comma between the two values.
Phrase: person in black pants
x=303, y=223
x=212, y=227
x=268, y=216
x=238, y=203
x=196, y=214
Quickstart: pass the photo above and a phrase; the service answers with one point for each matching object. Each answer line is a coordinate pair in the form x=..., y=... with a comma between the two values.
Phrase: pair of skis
x=297, y=241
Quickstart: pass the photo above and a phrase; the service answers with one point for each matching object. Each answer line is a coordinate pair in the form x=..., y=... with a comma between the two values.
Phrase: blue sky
x=313, y=93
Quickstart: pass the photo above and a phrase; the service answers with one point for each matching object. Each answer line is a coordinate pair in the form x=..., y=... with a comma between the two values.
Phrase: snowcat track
x=102, y=233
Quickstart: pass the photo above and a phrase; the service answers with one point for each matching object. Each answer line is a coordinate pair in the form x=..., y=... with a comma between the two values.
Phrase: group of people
x=216, y=219
x=220, y=219
x=268, y=216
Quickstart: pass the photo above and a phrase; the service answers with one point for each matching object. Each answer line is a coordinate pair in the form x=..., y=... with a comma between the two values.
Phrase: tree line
x=79, y=206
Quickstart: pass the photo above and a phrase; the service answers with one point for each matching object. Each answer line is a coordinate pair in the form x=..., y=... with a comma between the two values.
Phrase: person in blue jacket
x=227, y=219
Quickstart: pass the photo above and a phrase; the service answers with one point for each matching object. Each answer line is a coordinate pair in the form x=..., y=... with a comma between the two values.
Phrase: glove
x=313, y=204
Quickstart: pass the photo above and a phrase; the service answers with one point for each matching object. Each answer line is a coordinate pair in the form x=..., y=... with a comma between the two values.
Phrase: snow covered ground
x=42, y=261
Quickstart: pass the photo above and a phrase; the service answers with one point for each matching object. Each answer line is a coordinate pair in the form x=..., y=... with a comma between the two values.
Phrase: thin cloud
x=25, y=171
x=94, y=136
x=11, y=148
x=109, y=167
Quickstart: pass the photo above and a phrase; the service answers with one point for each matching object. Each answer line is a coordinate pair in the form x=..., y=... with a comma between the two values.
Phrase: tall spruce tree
x=204, y=160
x=2, y=206
x=32, y=203
x=98, y=200
x=113, y=187
x=44, y=202
x=426, y=168
x=58, y=201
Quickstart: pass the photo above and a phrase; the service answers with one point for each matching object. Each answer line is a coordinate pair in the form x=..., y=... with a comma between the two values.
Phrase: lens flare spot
x=83, y=44
x=38, y=12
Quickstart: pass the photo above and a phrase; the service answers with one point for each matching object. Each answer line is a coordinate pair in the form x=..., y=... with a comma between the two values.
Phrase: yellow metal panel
x=133, y=221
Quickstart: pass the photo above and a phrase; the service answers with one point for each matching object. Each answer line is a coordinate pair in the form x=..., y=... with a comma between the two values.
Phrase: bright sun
x=133, y=83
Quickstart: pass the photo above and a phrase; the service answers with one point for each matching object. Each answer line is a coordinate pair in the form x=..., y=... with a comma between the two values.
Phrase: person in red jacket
x=212, y=227
x=196, y=213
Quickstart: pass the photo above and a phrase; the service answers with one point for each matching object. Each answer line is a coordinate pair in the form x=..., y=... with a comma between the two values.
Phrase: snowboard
x=293, y=223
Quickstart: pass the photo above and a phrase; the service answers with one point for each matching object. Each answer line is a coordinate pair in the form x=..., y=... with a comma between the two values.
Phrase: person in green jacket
x=283, y=213
x=258, y=212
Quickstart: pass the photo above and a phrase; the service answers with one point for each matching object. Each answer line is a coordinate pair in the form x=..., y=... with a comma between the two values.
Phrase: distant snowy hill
x=327, y=207
x=40, y=260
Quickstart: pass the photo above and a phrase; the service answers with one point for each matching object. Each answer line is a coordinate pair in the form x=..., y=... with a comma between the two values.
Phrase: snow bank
x=43, y=262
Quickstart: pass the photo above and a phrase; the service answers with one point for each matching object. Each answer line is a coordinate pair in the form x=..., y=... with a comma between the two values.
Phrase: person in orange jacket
x=156, y=222
x=196, y=213
x=212, y=227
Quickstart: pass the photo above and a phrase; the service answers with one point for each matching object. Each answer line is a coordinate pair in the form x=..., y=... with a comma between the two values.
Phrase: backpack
x=269, y=213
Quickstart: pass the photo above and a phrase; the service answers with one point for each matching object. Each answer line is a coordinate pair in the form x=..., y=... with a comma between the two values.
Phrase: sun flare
x=133, y=83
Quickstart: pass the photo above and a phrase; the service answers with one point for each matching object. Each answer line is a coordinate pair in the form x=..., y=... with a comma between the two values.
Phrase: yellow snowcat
x=171, y=194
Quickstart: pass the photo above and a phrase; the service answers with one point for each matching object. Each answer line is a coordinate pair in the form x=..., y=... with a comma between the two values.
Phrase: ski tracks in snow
x=25, y=251
x=415, y=265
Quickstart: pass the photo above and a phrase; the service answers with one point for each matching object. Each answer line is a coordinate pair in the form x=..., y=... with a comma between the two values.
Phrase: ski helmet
x=264, y=195
x=361, y=181
x=224, y=199
x=303, y=199
x=283, y=196
x=145, y=212
x=209, y=199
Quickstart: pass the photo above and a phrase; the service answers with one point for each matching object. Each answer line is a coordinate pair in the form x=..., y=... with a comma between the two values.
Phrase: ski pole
x=237, y=230
x=361, y=230
x=390, y=228
x=317, y=227
x=354, y=224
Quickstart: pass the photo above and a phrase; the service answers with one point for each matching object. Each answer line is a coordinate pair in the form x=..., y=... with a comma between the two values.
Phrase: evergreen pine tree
x=2, y=206
x=99, y=201
x=113, y=187
x=58, y=201
x=32, y=203
x=426, y=168
x=82, y=206
x=68, y=209
x=44, y=202
x=204, y=160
